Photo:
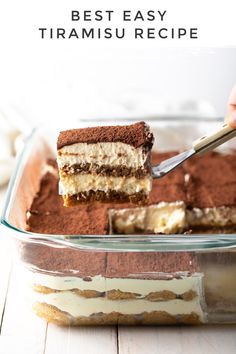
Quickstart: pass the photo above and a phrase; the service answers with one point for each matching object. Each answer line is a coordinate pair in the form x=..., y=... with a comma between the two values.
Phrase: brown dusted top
x=213, y=169
x=212, y=181
x=137, y=135
x=89, y=263
x=170, y=188
x=201, y=195
x=49, y=216
x=65, y=261
x=147, y=265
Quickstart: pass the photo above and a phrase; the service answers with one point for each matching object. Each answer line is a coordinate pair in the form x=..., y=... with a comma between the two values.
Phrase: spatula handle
x=210, y=142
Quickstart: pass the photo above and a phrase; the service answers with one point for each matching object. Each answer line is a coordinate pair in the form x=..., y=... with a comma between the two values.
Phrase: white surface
x=24, y=333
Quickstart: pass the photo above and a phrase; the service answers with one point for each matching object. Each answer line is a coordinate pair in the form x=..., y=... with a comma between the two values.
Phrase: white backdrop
x=63, y=79
x=51, y=83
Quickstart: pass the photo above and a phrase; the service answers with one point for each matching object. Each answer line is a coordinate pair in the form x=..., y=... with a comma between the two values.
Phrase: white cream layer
x=74, y=184
x=76, y=305
x=163, y=217
x=169, y=218
x=112, y=154
x=100, y=283
x=219, y=216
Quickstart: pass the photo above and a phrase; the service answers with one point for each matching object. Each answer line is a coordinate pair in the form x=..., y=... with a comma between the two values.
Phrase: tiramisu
x=77, y=287
x=106, y=164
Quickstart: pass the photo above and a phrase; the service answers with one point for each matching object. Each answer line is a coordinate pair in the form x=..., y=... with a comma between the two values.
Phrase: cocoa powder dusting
x=137, y=135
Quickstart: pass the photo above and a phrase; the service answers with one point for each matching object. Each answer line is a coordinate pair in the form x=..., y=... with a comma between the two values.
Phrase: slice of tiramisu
x=110, y=163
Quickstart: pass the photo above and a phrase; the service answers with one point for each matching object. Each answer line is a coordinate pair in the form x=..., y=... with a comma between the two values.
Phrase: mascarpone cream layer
x=74, y=184
x=168, y=218
x=112, y=154
x=219, y=216
x=76, y=305
x=164, y=218
x=140, y=286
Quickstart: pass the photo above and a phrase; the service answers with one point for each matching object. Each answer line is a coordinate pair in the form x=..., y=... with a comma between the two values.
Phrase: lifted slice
x=106, y=164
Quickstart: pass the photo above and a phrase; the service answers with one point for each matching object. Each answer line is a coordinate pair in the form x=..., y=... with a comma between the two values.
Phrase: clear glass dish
x=71, y=274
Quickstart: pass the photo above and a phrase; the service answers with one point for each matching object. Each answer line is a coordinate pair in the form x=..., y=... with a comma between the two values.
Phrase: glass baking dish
x=120, y=279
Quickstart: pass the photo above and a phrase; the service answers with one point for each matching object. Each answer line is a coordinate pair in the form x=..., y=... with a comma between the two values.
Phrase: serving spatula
x=199, y=146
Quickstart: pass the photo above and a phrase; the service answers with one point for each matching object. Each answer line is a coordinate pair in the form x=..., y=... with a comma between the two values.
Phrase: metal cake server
x=201, y=145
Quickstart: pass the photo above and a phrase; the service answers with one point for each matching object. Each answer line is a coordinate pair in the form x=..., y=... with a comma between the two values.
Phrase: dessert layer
x=75, y=184
x=136, y=135
x=104, y=170
x=53, y=314
x=217, y=216
x=116, y=294
x=202, y=196
x=212, y=181
x=169, y=218
x=163, y=218
x=101, y=283
x=131, y=265
x=48, y=215
x=76, y=305
x=213, y=169
x=105, y=197
x=151, y=265
x=102, y=154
